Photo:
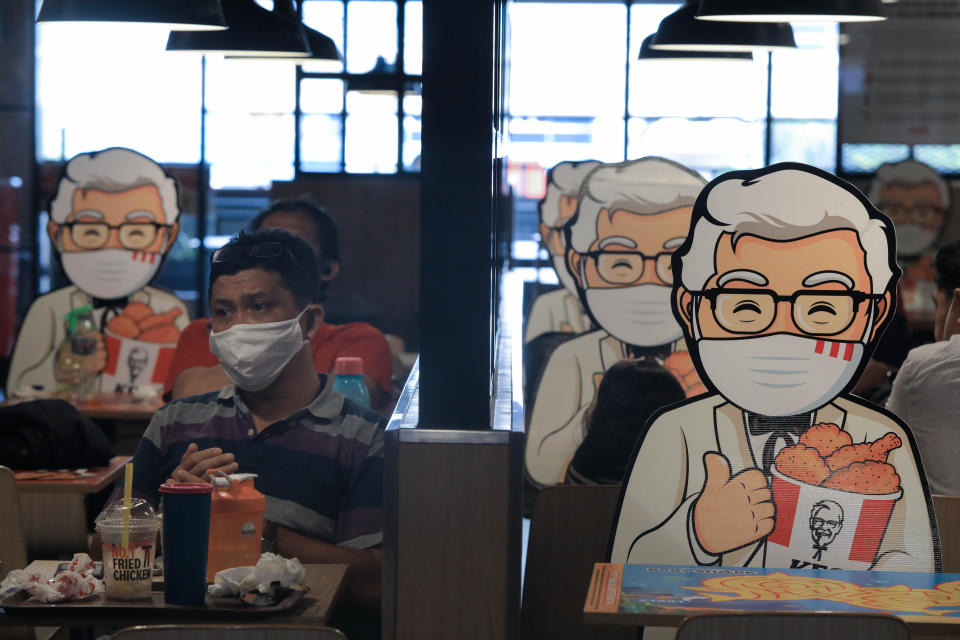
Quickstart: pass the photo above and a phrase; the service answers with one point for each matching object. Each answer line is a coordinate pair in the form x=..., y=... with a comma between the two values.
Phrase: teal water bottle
x=349, y=380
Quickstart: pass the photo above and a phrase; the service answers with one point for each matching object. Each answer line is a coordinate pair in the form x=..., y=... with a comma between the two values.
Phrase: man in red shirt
x=196, y=370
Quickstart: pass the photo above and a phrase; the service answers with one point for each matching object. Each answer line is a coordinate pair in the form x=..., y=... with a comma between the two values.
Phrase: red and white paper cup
x=823, y=528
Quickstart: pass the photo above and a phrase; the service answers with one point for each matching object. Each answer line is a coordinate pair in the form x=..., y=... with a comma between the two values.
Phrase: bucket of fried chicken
x=833, y=498
x=140, y=346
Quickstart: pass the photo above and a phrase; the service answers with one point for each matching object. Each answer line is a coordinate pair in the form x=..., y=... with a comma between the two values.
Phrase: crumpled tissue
x=270, y=568
x=76, y=583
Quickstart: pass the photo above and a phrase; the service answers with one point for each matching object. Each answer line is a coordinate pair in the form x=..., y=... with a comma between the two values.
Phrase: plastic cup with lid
x=128, y=569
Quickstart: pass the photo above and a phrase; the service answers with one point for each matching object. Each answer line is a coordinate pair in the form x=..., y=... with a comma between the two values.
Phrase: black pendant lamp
x=681, y=31
x=321, y=47
x=252, y=31
x=192, y=15
x=647, y=52
x=791, y=10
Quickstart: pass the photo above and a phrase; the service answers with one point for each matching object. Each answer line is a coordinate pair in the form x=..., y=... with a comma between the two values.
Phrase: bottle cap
x=73, y=314
x=348, y=366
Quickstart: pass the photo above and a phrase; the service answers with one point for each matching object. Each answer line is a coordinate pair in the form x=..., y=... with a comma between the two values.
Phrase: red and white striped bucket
x=823, y=528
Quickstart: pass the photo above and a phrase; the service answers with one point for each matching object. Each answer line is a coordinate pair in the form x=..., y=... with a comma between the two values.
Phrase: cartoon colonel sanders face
x=826, y=521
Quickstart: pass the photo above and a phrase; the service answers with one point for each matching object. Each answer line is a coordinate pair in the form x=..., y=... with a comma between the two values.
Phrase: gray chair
x=227, y=632
x=792, y=626
x=569, y=532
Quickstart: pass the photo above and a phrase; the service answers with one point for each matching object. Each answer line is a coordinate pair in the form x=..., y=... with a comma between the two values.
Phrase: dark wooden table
x=325, y=582
x=54, y=513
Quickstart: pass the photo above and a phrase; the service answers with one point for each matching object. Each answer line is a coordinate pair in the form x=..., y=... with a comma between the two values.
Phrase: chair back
x=792, y=626
x=227, y=632
x=947, y=509
x=13, y=545
x=568, y=533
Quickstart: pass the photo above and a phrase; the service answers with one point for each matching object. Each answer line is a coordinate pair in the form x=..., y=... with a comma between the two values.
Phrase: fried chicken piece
x=137, y=311
x=870, y=477
x=825, y=438
x=876, y=451
x=802, y=463
x=123, y=326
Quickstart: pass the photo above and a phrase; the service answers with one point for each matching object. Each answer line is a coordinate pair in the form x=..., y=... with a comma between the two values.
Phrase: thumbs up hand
x=731, y=512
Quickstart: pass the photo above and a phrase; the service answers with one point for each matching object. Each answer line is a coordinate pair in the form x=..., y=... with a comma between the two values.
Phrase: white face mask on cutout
x=912, y=240
x=254, y=355
x=780, y=374
x=639, y=315
x=110, y=273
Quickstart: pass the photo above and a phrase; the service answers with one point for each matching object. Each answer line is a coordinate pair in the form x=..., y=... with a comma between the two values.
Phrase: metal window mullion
x=401, y=12
x=343, y=111
x=626, y=88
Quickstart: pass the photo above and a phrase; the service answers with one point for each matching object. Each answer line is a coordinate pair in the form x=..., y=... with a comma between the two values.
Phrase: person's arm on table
x=362, y=585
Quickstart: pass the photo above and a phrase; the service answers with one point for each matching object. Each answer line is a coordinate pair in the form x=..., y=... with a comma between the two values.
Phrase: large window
x=578, y=92
x=101, y=86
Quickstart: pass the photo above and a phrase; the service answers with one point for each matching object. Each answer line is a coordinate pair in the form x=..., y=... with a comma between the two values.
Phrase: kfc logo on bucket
x=834, y=500
x=140, y=347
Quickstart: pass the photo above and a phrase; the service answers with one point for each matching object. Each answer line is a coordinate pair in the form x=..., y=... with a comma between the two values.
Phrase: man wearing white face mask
x=783, y=288
x=112, y=222
x=559, y=310
x=317, y=455
x=630, y=219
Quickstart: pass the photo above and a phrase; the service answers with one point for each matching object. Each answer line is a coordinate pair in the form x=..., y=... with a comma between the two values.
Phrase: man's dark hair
x=328, y=235
x=273, y=250
x=630, y=393
x=947, y=264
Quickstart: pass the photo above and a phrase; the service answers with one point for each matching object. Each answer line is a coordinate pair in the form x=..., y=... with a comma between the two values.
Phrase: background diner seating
x=947, y=509
x=790, y=626
x=227, y=632
x=377, y=216
x=569, y=531
x=13, y=546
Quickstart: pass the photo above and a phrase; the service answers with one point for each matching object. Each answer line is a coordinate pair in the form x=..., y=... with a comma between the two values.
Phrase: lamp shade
x=647, y=52
x=253, y=31
x=681, y=31
x=791, y=10
x=321, y=47
x=202, y=15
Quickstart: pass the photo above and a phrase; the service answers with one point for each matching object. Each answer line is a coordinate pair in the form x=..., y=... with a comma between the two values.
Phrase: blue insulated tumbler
x=186, y=529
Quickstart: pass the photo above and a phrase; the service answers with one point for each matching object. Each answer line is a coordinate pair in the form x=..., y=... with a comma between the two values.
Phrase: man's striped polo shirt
x=321, y=469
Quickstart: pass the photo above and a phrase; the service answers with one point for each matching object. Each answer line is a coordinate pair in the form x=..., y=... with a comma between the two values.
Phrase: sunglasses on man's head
x=263, y=251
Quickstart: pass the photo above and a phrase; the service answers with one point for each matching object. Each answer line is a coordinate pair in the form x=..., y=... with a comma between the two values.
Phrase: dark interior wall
x=379, y=220
x=17, y=222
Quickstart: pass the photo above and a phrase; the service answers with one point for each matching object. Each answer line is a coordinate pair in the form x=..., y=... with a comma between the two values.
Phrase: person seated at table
x=318, y=455
x=195, y=369
x=629, y=394
x=924, y=392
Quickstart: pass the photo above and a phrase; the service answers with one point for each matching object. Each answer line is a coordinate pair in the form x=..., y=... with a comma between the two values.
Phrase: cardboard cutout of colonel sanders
x=917, y=200
x=559, y=310
x=112, y=221
x=630, y=219
x=783, y=286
